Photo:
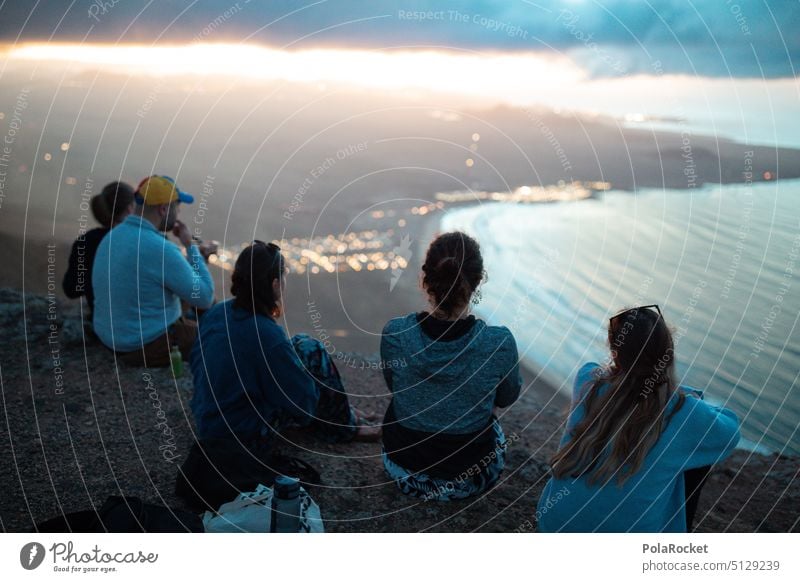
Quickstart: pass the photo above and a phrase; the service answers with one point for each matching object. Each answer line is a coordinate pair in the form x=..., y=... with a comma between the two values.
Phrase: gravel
x=77, y=428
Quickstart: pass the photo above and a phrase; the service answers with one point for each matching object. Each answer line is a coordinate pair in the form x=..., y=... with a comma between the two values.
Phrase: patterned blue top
x=449, y=386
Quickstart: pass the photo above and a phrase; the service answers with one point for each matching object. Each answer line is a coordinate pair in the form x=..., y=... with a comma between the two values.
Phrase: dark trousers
x=693, y=480
x=156, y=354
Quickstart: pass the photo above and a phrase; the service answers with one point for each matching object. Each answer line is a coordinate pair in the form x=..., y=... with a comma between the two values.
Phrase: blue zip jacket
x=139, y=278
x=246, y=375
x=652, y=500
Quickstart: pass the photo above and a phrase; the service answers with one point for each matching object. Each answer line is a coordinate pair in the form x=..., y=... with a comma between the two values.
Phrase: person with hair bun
x=110, y=207
x=251, y=380
x=449, y=372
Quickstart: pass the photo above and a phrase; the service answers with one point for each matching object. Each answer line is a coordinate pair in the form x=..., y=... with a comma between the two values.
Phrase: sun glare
x=491, y=75
x=538, y=79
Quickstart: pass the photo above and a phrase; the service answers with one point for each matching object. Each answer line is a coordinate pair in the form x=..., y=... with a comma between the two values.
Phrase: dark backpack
x=217, y=470
x=124, y=515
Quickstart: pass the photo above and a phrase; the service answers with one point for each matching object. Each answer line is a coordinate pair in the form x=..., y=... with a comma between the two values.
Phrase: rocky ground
x=75, y=429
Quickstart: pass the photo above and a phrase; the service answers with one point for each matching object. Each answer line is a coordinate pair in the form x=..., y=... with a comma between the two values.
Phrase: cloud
x=718, y=38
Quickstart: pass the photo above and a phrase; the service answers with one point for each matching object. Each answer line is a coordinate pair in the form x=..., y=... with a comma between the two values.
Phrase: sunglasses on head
x=271, y=246
x=274, y=249
x=633, y=309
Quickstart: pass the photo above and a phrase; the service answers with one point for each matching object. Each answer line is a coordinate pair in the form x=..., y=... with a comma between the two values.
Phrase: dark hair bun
x=449, y=267
x=453, y=269
x=101, y=211
x=112, y=202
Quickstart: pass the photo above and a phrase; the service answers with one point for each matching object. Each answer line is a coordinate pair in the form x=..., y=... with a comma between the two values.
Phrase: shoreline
x=533, y=378
x=355, y=324
x=753, y=441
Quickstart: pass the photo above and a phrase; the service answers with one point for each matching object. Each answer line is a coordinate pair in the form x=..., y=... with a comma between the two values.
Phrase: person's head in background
x=452, y=272
x=258, y=279
x=630, y=413
x=159, y=200
x=113, y=204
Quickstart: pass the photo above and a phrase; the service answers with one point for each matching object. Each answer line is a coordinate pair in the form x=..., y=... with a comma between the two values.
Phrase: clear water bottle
x=285, y=513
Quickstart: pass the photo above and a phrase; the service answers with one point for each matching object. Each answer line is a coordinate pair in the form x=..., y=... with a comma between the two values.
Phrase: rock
x=72, y=332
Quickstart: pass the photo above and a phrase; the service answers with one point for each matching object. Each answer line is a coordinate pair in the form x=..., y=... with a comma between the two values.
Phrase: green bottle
x=176, y=361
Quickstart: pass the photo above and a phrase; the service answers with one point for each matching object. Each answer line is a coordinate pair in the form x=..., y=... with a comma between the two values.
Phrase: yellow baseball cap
x=157, y=190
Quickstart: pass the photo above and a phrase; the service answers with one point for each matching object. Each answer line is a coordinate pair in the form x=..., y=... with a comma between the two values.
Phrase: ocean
x=722, y=261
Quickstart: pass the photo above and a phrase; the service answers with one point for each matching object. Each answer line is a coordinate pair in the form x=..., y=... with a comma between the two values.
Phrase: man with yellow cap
x=140, y=278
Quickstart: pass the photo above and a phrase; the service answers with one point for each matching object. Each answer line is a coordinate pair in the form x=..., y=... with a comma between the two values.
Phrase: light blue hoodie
x=652, y=500
x=139, y=278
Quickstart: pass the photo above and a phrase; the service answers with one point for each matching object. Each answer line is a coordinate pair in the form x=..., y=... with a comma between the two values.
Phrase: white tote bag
x=251, y=512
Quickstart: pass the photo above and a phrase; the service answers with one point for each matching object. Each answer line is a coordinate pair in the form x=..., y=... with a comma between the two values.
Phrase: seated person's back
x=448, y=376
x=246, y=375
x=109, y=208
x=140, y=277
x=251, y=379
x=633, y=438
x=447, y=372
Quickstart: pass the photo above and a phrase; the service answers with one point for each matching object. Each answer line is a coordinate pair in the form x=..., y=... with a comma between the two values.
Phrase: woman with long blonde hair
x=635, y=440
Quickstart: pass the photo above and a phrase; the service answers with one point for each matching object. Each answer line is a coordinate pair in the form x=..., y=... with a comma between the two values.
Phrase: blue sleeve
x=713, y=433
x=511, y=383
x=292, y=388
x=188, y=277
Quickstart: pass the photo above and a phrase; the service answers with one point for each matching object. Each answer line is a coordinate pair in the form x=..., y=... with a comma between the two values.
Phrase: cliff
x=77, y=428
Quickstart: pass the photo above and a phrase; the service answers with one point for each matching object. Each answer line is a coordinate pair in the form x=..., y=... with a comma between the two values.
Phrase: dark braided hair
x=452, y=271
x=256, y=268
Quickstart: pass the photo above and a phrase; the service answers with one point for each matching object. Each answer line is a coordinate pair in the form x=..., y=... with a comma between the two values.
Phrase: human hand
x=692, y=392
x=181, y=231
x=208, y=248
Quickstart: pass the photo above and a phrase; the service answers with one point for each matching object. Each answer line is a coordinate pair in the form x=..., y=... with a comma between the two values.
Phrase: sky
x=606, y=38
